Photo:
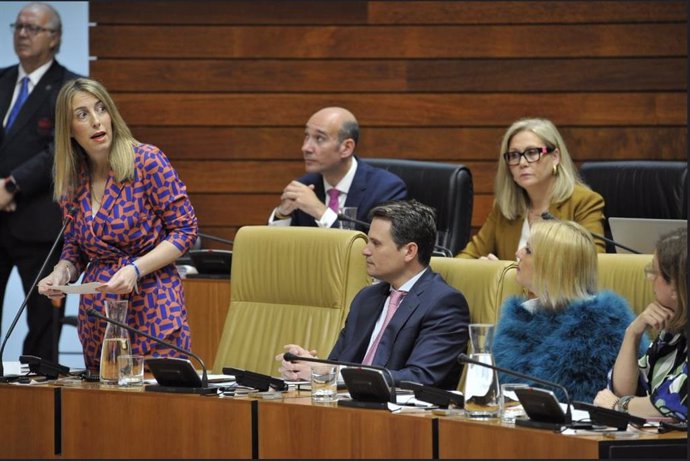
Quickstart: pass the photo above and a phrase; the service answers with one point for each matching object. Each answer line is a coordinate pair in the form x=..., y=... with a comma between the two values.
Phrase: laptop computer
x=641, y=234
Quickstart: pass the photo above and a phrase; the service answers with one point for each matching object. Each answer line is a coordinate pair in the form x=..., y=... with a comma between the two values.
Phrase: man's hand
x=6, y=199
x=297, y=370
x=299, y=196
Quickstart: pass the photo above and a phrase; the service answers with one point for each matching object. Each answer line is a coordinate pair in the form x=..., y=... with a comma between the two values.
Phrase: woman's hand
x=122, y=282
x=605, y=398
x=59, y=276
x=654, y=316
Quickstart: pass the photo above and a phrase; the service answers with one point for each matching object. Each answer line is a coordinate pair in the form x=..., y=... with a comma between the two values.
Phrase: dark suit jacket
x=422, y=340
x=26, y=152
x=370, y=187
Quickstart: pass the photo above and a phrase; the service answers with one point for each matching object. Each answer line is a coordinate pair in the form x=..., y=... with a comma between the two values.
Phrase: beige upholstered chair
x=289, y=285
x=485, y=284
x=624, y=274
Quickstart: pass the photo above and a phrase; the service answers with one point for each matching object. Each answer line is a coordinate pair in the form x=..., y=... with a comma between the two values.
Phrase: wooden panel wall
x=224, y=88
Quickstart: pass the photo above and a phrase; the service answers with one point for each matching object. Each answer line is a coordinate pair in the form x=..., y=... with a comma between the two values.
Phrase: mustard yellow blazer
x=501, y=236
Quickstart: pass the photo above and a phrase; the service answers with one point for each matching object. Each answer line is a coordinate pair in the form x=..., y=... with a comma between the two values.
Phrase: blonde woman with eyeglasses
x=535, y=175
x=656, y=384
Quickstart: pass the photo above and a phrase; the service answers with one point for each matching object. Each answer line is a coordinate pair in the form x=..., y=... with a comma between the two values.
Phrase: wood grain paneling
x=27, y=425
x=386, y=42
x=449, y=109
x=224, y=88
x=429, y=143
x=383, y=12
x=468, y=75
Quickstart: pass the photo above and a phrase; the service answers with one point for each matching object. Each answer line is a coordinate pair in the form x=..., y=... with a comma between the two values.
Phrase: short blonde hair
x=565, y=262
x=70, y=158
x=671, y=254
x=512, y=199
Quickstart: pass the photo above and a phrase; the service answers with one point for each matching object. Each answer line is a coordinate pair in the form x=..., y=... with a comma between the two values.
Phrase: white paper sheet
x=79, y=289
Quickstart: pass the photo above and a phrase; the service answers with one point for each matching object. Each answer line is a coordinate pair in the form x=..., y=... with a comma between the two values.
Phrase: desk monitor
x=641, y=234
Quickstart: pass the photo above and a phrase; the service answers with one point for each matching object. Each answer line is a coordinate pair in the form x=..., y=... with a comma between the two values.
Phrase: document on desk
x=79, y=289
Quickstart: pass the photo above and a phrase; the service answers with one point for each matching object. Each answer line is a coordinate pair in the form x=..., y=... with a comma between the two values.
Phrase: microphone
x=370, y=386
x=463, y=358
x=216, y=239
x=440, y=397
x=204, y=376
x=546, y=216
x=68, y=217
x=364, y=224
x=441, y=250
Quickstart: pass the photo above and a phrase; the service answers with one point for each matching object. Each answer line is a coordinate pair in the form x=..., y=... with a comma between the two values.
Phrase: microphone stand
x=462, y=358
x=546, y=216
x=367, y=390
x=204, y=376
x=443, y=251
x=4, y=378
x=216, y=239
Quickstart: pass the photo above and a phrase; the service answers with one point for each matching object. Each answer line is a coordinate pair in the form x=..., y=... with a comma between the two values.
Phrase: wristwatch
x=10, y=185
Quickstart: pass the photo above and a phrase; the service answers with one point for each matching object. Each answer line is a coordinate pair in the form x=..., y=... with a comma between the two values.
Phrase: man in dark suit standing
x=335, y=177
x=29, y=219
x=413, y=322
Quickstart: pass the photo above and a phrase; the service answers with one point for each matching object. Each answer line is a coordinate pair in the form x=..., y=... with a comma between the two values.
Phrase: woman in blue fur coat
x=566, y=332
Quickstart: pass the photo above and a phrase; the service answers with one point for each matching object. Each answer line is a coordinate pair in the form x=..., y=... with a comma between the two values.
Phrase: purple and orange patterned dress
x=134, y=217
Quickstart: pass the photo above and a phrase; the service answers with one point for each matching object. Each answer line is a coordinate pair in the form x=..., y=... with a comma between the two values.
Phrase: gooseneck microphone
x=370, y=386
x=216, y=239
x=68, y=217
x=364, y=224
x=546, y=216
x=462, y=358
x=437, y=248
x=290, y=357
x=204, y=376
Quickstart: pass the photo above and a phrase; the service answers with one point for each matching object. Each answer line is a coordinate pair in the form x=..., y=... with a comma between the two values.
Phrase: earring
x=555, y=170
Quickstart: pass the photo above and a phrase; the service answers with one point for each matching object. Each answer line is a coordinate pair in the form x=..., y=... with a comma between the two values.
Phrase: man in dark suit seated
x=29, y=219
x=413, y=322
x=335, y=177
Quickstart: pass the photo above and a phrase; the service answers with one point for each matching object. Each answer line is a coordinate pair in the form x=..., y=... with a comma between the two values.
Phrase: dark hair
x=671, y=254
x=411, y=221
x=349, y=130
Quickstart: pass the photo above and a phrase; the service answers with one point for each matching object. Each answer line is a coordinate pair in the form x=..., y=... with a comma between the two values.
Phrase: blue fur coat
x=574, y=347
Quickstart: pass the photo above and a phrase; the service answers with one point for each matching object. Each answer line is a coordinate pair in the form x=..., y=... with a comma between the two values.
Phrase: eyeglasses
x=650, y=272
x=532, y=155
x=30, y=29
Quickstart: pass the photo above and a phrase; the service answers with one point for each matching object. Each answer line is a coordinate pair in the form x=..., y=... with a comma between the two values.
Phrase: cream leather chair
x=289, y=285
x=624, y=274
x=485, y=284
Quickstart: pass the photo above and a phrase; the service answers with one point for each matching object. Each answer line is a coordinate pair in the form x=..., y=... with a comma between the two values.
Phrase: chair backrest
x=446, y=187
x=639, y=189
x=289, y=285
x=485, y=284
x=624, y=274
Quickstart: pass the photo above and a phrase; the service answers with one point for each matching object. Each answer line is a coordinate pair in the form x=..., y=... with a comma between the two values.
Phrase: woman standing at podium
x=130, y=220
x=656, y=384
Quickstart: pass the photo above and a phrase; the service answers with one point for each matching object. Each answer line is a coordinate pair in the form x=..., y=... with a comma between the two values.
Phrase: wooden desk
x=102, y=423
x=294, y=428
x=460, y=438
x=27, y=421
x=207, y=302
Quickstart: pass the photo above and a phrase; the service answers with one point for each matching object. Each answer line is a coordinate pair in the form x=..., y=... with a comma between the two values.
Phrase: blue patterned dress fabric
x=664, y=375
x=135, y=216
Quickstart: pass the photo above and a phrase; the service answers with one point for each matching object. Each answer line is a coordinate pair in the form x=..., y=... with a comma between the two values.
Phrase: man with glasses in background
x=29, y=219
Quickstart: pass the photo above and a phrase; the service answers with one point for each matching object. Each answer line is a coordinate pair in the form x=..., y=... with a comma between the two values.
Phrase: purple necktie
x=21, y=98
x=333, y=203
x=396, y=298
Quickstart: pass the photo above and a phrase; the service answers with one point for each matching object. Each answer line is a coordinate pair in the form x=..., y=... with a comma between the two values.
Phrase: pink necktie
x=395, y=298
x=333, y=203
